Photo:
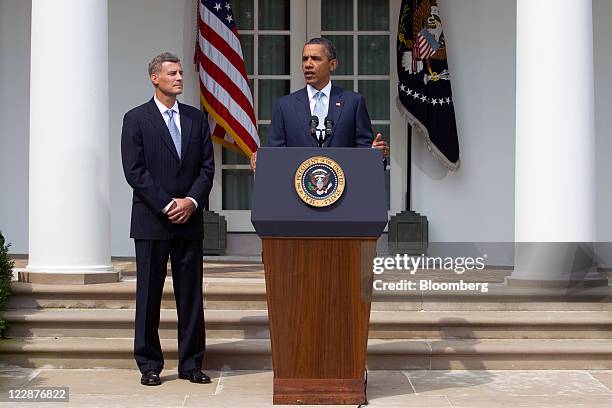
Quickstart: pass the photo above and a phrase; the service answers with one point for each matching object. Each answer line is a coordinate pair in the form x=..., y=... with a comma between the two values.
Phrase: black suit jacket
x=291, y=116
x=153, y=169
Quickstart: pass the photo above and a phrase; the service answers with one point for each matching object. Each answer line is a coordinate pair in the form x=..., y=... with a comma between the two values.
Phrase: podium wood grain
x=318, y=317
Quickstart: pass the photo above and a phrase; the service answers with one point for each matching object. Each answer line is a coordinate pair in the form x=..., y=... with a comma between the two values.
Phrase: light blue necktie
x=319, y=109
x=174, y=132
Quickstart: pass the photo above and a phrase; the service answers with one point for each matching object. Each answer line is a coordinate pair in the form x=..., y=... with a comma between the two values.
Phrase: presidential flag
x=424, y=89
x=224, y=88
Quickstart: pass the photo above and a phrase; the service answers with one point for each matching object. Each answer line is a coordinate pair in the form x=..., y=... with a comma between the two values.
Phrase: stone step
x=250, y=294
x=253, y=324
x=225, y=294
x=101, y=323
x=212, y=268
x=232, y=354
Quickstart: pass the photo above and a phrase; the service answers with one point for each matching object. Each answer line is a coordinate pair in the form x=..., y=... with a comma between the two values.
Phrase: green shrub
x=6, y=273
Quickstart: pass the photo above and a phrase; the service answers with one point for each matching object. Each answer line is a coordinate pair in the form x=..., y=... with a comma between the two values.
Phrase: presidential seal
x=319, y=181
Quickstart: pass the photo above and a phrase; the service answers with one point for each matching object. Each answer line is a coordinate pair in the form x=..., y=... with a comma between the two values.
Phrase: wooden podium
x=318, y=269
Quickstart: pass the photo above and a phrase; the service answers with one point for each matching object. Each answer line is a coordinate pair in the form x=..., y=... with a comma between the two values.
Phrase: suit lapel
x=336, y=103
x=186, y=124
x=159, y=124
x=302, y=110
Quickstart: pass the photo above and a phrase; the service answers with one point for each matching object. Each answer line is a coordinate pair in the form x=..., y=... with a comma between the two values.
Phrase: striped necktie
x=174, y=132
x=319, y=109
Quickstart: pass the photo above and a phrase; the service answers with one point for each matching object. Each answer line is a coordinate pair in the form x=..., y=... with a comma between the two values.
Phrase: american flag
x=224, y=88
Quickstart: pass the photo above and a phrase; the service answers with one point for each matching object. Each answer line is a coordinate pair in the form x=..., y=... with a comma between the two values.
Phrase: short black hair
x=330, y=48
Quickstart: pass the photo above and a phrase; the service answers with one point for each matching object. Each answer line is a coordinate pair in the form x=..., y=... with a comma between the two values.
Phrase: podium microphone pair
x=320, y=135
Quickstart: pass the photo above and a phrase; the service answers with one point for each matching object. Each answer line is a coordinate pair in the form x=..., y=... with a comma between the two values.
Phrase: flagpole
x=409, y=167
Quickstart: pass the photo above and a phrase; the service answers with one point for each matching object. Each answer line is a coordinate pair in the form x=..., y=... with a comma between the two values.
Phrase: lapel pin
x=337, y=103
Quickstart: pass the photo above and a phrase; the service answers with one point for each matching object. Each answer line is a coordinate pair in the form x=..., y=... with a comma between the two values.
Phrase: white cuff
x=167, y=208
x=194, y=202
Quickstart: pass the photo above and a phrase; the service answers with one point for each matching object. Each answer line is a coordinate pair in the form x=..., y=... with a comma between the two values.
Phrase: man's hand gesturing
x=379, y=143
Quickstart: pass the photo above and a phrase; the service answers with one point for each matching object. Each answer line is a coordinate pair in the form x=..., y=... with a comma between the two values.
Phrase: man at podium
x=321, y=114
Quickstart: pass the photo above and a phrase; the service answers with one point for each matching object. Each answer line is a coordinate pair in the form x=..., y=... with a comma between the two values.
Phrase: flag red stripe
x=219, y=131
x=222, y=111
x=225, y=81
x=225, y=98
x=224, y=48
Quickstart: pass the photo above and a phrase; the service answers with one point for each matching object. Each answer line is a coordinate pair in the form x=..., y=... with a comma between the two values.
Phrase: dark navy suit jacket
x=153, y=169
x=347, y=109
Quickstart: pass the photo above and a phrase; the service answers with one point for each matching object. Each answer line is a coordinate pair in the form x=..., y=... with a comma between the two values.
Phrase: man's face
x=316, y=66
x=169, y=80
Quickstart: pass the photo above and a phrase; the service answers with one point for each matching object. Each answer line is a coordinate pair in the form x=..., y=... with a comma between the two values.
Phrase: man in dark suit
x=291, y=117
x=168, y=160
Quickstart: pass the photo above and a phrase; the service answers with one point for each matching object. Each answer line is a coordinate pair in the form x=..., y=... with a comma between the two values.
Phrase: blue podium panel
x=278, y=210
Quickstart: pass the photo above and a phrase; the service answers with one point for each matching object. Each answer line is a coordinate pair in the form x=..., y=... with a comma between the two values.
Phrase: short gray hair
x=156, y=63
x=330, y=48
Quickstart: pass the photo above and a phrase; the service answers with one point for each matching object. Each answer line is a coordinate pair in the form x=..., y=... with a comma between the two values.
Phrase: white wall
x=474, y=204
x=139, y=30
x=15, y=119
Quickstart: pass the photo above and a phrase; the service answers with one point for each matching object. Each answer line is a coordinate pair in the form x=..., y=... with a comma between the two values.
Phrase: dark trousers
x=186, y=262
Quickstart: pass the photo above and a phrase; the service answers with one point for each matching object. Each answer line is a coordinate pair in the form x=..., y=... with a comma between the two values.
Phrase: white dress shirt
x=163, y=109
x=311, y=90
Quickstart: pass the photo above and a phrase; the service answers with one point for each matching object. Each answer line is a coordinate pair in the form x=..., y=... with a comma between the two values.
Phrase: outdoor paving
x=236, y=389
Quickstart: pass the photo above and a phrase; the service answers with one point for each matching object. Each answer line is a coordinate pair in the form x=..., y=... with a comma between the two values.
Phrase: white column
x=555, y=139
x=69, y=141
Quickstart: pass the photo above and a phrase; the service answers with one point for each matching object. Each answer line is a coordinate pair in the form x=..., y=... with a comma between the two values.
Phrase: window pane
x=244, y=14
x=384, y=129
x=233, y=157
x=248, y=50
x=376, y=94
x=344, y=84
x=269, y=91
x=263, y=135
x=273, y=55
x=344, y=49
x=274, y=14
x=373, y=15
x=373, y=55
x=237, y=189
x=337, y=15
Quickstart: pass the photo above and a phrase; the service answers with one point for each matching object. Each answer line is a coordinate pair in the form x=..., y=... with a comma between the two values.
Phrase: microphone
x=329, y=124
x=314, y=122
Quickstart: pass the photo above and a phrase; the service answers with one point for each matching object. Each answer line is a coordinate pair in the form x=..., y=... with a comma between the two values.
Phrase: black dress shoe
x=195, y=376
x=150, y=378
